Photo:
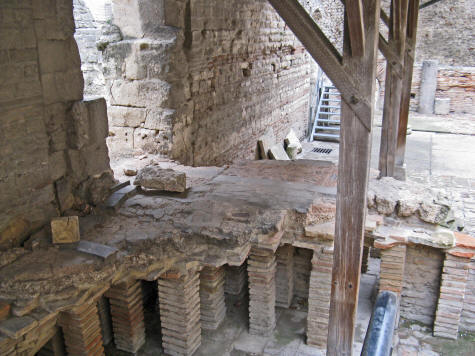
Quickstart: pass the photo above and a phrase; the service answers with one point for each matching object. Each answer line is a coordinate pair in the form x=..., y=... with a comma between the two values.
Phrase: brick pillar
x=103, y=308
x=261, y=271
x=213, y=307
x=391, y=275
x=126, y=306
x=179, y=301
x=365, y=259
x=319, y=298
x=54, y=347
x=236, y=279
x=284, y=277
x=451, y=298
x=82, y=331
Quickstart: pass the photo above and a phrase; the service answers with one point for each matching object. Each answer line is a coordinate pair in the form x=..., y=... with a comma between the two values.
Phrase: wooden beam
x=393, y=89
x=354, y=9
x=353, y=172
x=325, y=54
x=412, y=17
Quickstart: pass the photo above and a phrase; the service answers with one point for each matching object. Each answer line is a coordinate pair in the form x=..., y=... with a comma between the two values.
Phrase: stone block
x=277, y=152
x=121, y=139
x=265, y=142
x=98, y=124
x=65, y=229
x=92, y=248
x=79, y=125
x=147, y=140
x=154, y=177
x=126, y=116
x=292, y=144
x=442, y=106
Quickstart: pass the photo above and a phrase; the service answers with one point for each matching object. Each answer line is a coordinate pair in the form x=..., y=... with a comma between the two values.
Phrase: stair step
x=329, y=128
x=329, y=121
x=332, y=100
x=329, y=113
x=326, y=135
x=329, y=107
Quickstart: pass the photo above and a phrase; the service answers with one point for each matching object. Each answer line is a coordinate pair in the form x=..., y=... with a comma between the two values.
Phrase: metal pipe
x=379, y=336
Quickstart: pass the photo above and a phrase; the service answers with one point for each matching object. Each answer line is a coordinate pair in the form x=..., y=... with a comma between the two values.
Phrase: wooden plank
x=353, y=172
x=413, y=14
x=327, y=57
x=393, y=89
x=354, y=9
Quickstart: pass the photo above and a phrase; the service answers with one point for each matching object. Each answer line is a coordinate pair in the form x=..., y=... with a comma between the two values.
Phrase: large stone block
x=136, y=19
x=121, y=139
x=154, y=177
x=98, y=125
x=124, y=116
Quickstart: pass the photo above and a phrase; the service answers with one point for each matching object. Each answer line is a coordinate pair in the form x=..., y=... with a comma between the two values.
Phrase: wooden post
x=353, y=172
x=393, y=89
x=413, y=14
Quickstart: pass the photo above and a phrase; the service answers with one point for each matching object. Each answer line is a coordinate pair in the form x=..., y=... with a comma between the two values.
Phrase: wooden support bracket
x=391, y=56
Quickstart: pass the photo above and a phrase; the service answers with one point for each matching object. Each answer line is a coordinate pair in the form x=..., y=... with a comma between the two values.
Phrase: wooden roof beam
x=325, y=54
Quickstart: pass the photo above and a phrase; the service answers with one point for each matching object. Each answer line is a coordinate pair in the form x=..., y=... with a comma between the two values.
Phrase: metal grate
x=322, y=150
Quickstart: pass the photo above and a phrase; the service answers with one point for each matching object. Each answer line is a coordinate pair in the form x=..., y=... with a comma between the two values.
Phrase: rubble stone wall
x=44, y=166
x=421, y=284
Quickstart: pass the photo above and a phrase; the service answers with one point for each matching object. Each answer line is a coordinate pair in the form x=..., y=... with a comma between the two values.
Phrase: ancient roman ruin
x=162, y=193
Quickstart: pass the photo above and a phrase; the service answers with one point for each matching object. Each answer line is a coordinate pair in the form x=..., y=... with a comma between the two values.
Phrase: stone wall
x=44, y=152
x=88, y=33
x=200, y=81
x=421, y=284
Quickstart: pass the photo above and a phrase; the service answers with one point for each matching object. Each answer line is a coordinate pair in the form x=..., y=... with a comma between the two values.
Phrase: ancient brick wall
x=421, y=284
x=44, y=166
x=246, y=72
x=202, y=80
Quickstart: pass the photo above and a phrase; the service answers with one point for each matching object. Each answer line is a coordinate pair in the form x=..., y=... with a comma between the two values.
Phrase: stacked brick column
x=391, y=276
x=103, y=309
x=236, y=279
x=451, y=298
x=319, y=297
x=127, y=315
x=284, y=276
x=82, y=331
x=179, y=301
x=213, y=307
x=261, y=271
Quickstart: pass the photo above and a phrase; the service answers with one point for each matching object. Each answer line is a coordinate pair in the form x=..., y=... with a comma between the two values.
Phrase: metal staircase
x=326, y=116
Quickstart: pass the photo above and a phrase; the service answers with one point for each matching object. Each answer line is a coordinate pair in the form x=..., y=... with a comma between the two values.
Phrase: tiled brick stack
x=319, y=297
x=261, y=270
x=179, y=301
x=468, y=315
x=391, y=274
x=236, y=279
x=284, y=276
x=213, y=307
x=82, y=331
x=127, y=315
x=103, y=309
x=451, y=298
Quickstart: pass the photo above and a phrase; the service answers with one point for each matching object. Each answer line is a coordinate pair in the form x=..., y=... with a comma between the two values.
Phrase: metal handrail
x=379, y=336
